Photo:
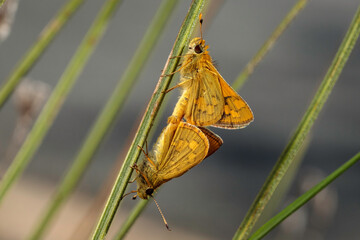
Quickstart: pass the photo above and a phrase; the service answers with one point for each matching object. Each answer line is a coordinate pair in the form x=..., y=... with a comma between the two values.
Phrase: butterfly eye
x=198, y=49
x=149, y=191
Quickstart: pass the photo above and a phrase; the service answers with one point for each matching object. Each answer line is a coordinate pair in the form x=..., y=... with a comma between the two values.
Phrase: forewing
x=187, y=149
x=237, y=113
x=206, y=104
x=215, y=141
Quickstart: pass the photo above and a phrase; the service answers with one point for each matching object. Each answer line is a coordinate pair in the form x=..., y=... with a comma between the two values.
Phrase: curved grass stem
x=302, y=130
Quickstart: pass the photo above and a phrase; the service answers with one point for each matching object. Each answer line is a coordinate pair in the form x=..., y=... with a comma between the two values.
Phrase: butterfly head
x=144, y=188
x=145, y=178
x=144, y=191
x=197, y=46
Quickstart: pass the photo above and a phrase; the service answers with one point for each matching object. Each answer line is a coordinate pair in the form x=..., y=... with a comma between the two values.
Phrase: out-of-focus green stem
x=302, y=130
x=2, y=2
x=240, y=80
x=303, y=199
x=146, y=123
x=109, y=113
x=136, y=211
x=45, y=38
x=52, y=107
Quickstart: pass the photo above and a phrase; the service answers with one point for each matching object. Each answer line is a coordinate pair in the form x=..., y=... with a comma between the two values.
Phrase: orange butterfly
x=207, y=99
x=179, y=148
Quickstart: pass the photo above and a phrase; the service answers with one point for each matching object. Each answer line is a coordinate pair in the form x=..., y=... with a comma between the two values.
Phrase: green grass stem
x=302, y=130
x=45, y=38
x=130, y=220
x=53, y=105
x=249, y=68
x=303, y=199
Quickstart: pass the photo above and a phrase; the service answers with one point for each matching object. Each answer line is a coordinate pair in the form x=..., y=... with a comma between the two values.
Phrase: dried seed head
x=30, y=96
x=7, y=15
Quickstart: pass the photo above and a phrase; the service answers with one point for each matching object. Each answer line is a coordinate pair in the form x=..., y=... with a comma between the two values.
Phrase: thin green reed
x=53, y=105
x=45, y=38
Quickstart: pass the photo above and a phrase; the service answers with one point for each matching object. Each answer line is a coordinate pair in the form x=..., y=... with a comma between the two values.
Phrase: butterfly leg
x=135, y=167
x=172, y=73
x=131, y=181
x=176, y=86
x=182, y=66
x=147, y=157
x=179, y=56
x=122, y=197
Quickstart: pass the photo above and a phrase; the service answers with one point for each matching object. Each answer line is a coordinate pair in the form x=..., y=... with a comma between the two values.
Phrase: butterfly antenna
x=201, y=21
x=162, y=215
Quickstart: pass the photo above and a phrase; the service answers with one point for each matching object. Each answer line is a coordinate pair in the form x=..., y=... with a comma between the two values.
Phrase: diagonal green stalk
x=238, y=83
x=141, y=204
x=45, y=38
x=249, y=68
x=108, y=115
x=284, y=186
x=130, y=220
x=146, y=123
x=302, y=130
x=52, y=107
x=303, y=199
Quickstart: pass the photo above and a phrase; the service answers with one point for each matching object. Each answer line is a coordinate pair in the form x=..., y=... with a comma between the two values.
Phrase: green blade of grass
x=303, y=199
x=43, y=41
x=141, y=205
x=108, y=115
x=302, y=130
x=130, y=220
x=249, y=68
x=52, y=107
x=146, y=123
x=283, y=188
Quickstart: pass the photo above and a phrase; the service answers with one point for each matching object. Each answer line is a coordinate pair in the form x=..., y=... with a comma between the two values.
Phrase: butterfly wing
x=237, y=113
x=206, y=104
x=215, y=141
x=163, y=144
x=187, y=149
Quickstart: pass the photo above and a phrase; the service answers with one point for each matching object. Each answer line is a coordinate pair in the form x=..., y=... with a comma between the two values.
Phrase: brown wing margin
x=215, y=141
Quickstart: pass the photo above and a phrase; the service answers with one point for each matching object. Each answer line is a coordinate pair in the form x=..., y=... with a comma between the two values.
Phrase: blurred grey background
x=209, y=201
